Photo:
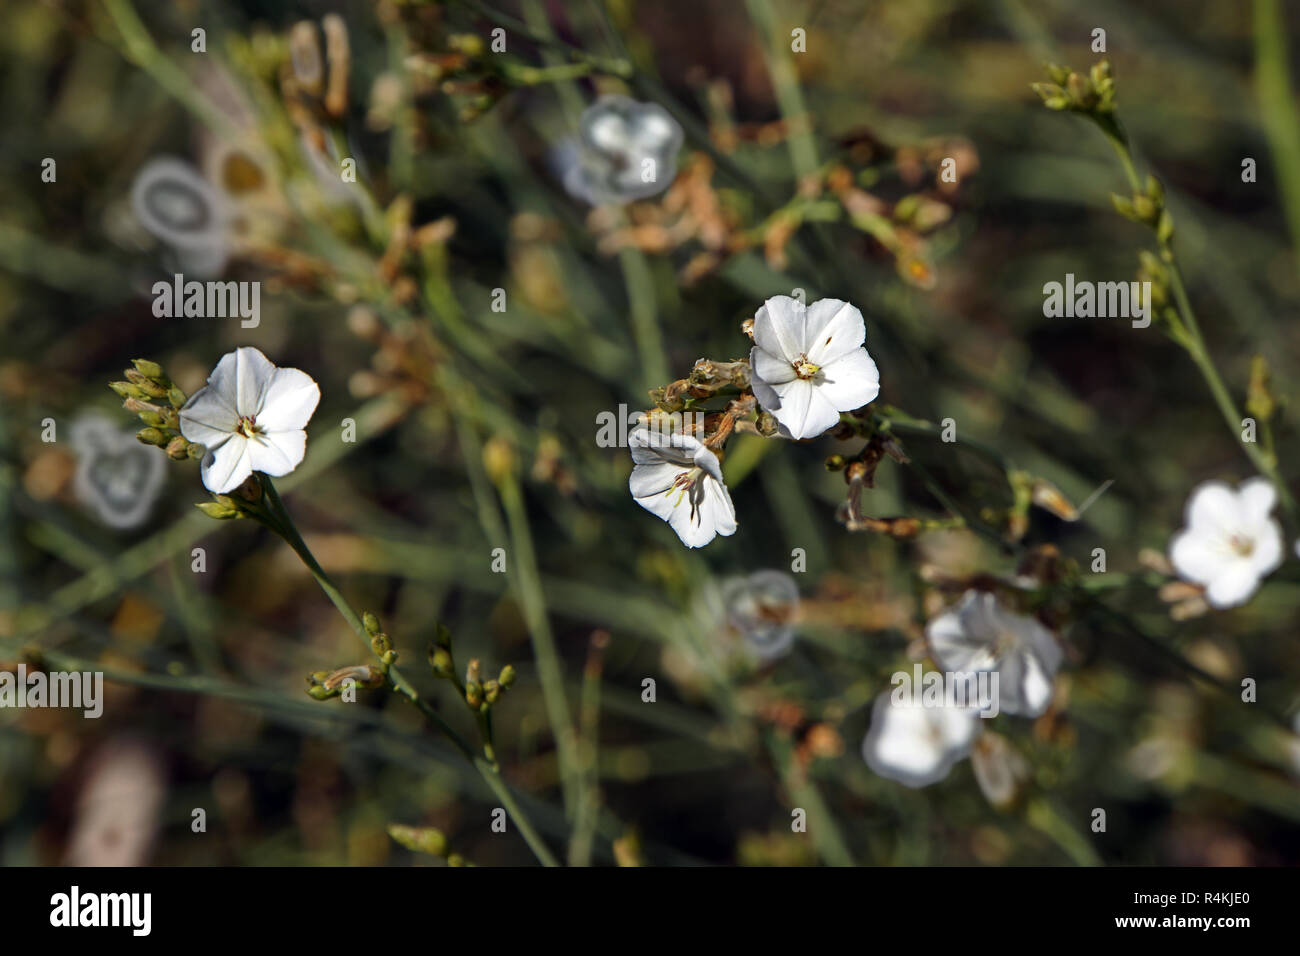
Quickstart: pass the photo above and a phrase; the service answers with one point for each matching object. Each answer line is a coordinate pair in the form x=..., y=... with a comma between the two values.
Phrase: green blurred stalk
x=1278, y=108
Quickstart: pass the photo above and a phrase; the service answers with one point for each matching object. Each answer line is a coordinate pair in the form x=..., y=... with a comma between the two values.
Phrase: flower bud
x=128, y=390
x=441, y=662
x=150, y=370
x=498, y=459
x=420, y=839
x=217, y=510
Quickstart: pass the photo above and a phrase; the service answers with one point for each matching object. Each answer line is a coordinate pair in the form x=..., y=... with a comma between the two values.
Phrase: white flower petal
x=241, y=378
x=1267, y=554
x=1196, y=556
x=224, y=468
x=849, y=382
x=277, y=453
x=207, y=418
x=288, y=402
x=832, y=329
x=803, y=411
x=653, y=479
x=917, y=746
x=1256, y=499
x=1212, y=506
x=778, y=327
x=768, y=368
x=1233, y=585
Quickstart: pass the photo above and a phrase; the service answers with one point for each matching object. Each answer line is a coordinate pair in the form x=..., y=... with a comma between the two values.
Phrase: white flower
x=624, y=150
x=1230, y=543
x=809, y=364
x=763, y=607
x=116, y=475
x=181, y=208
x=978, y=634
x=917, y=746
x=251, y=417
x=679, y=479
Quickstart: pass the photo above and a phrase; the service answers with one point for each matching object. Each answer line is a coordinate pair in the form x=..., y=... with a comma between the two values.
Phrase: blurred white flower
x=762, y=607
x=917, y=746
x=809, y=364
x=624, y=151
x=999, y=768
x=979, y=634
x=119, y=807
x=117, y=477
x=679, y=479
x=251, y=416
x=182, y=209
x=1230, y=543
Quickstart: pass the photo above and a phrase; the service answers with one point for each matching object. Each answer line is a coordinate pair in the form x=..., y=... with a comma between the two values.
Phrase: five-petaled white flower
x=251, y=417
x=809, y=363
x=1230, y=543
x=979, y=634
x=917, y=746
x=678, y=478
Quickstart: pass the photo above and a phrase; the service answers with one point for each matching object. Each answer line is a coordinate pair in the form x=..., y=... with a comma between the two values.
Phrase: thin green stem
x=280, y=522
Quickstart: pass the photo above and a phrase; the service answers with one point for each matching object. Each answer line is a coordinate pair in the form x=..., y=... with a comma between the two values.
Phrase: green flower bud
x=420, y=839
x=149, y=369
x=215, y=509
x=441, y=662
x=128, y=390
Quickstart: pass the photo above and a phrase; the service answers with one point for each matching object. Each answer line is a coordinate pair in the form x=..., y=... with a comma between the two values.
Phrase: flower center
x=1241, y=544
x=247, y=426
x=804, y=368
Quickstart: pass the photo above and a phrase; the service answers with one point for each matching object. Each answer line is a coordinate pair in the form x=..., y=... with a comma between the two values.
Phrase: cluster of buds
x=479, y=694
x=1148, y=208
x=1093, y=94
x=326, y=684
x=707, y=379
x=150, y=394
x=323, y=685
x=312, y=83
x=425, y=840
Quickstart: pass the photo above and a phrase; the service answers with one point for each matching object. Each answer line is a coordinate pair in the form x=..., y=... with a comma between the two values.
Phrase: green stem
x=279, y=521
x=1277, y=108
